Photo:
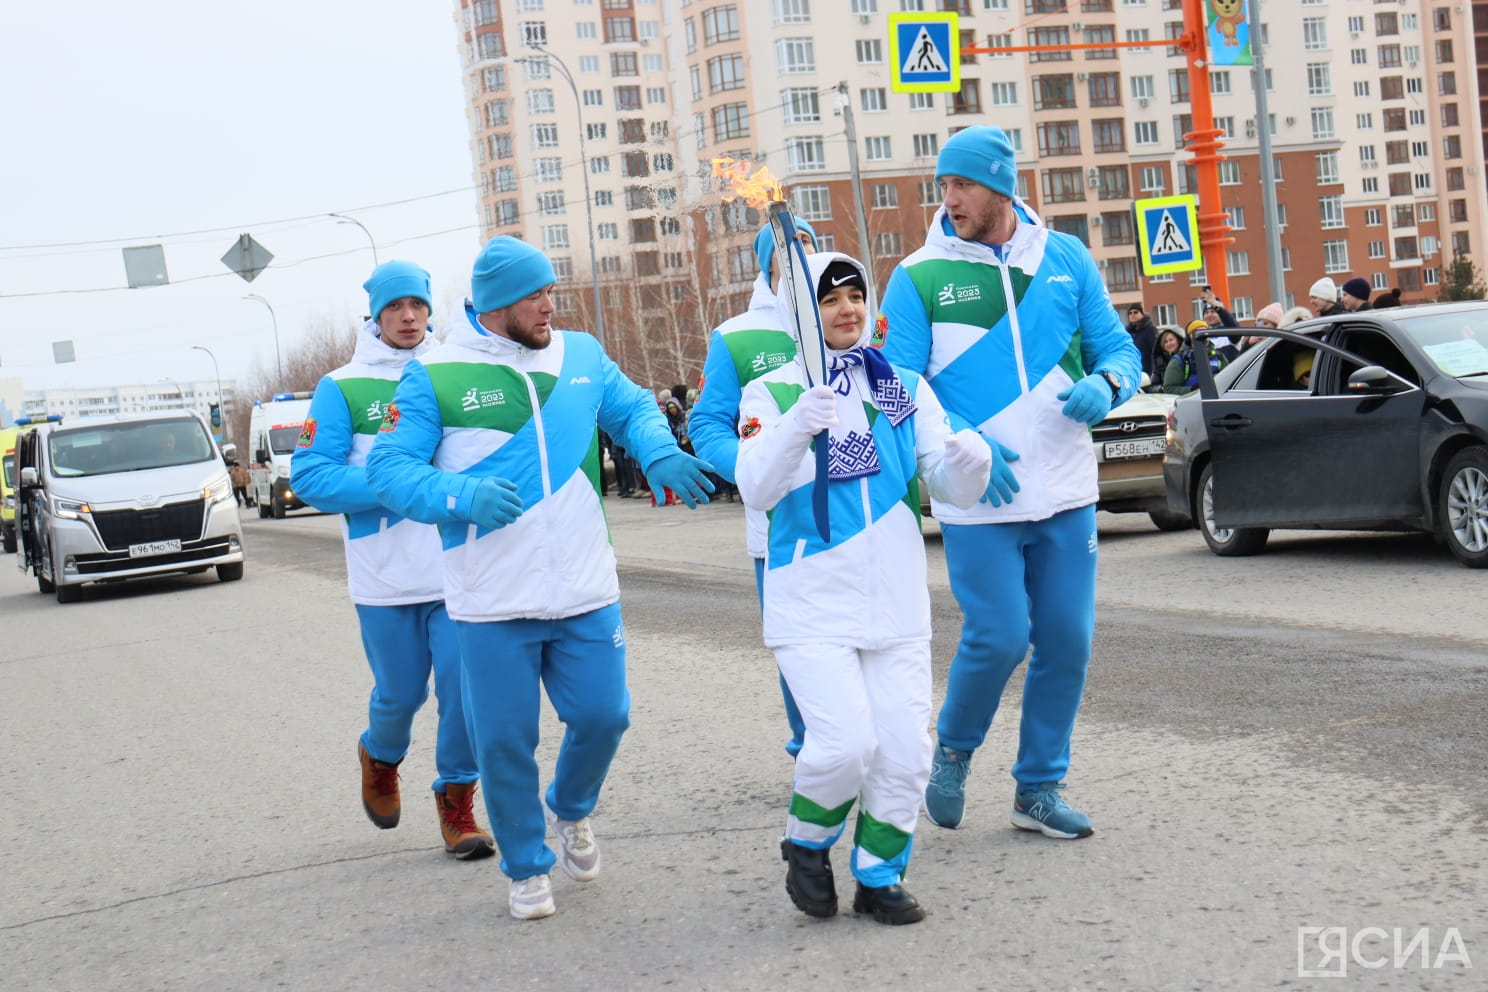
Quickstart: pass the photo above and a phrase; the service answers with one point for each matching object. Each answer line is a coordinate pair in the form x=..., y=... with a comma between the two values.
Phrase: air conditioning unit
x=864, y=18
x=1290, y=121
x=1080, y=77
x=1411, y=63
x=1143, y=101
x=1077, y=26
x=1250, y=128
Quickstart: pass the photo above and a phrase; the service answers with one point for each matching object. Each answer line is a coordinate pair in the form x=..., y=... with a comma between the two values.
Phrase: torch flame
x=736, y=182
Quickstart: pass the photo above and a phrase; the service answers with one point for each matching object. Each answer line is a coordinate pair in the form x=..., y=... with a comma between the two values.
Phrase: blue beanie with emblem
x=506, y=270
x=764, y=242
x=984, y=155
x=392, y=281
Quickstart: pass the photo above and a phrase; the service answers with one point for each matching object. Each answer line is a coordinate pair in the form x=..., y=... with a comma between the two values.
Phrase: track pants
x=866, y=714
x=404, y=644
x=1019, y=584
x=580, y=661
x=792, y=711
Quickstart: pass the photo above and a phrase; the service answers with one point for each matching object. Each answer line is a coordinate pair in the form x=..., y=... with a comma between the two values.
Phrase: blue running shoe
x=1041, y=807
x=945, y=795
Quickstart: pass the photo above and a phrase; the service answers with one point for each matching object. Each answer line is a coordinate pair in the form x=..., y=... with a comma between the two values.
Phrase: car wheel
x=230, y=573
x=69, y=594
x=1462, y=506
x=43, y=584
x=263, y=510
x=1167, y=520
x=278, y=509
x=10, y=540
x=1226, y=541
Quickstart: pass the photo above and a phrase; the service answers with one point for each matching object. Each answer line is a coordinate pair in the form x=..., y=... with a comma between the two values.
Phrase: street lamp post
x=599, y=324
x=343, y=219
x=278, y=358
x=221, y=400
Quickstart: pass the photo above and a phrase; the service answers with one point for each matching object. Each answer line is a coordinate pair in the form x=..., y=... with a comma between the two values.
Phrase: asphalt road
x=1293, y=740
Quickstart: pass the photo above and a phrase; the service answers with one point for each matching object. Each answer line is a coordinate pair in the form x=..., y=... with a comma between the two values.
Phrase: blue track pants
x=1020, y=584
x=792, y=711
x=580, y=661
x=404, y=644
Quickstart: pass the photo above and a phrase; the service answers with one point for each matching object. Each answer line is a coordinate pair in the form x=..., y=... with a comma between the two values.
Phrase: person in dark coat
x=1355, y=295
x=1144, y=336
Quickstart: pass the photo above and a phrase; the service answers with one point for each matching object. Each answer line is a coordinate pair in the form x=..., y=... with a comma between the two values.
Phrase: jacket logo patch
x=750, y=428
x=389, y=419
x=307, y=433
x=476, y=398
x=950, y=294
x=767, y=361
x=880, y=332
x=375, y=410
x=1059, y=278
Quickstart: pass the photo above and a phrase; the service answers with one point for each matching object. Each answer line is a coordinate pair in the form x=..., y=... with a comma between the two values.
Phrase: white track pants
x=866, y=715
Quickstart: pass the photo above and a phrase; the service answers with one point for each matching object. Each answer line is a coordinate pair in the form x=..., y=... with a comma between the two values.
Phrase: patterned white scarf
x=854, y=454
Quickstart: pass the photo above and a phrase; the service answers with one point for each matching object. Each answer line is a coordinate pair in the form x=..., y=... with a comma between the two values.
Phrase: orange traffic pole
x=1204, y=144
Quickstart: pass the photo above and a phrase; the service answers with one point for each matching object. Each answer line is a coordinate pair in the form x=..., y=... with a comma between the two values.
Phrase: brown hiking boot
x=463, y=837
x=379, y=790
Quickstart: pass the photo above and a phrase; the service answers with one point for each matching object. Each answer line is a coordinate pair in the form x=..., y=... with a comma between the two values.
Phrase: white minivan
x=121, y=496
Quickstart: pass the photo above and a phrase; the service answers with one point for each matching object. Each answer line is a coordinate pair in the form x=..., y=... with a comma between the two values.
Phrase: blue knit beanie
x=764, y=242
x=393, y=281
x=984, y=155
x=506, y=270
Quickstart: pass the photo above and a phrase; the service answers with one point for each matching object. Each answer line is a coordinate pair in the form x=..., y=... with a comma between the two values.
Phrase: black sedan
x=1365, y=421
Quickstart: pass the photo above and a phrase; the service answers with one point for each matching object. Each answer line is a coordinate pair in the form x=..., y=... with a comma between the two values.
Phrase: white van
x=117, y=497
x=273, y=430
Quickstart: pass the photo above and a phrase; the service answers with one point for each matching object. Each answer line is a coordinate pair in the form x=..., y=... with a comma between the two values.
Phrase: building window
x=929, y=193
x=878, y=148
x=1322, y=123
x=812, y=202
x=869, y=51
x=1117, y=228
x=1327, y=168
x=549, y=170
x=619, y=29
x=795, y=55
x=624, y=64
x=792, y=11
x=555, y=236
x=1314, y=33
x=1318, y=81
x=551, y=203
x=926, y=145
x=731, y=120
x=627, y=98
x=888, y=244
x=805, y=154
x=1113, y=182
x=1144, y=133
x=1063, y=185
x=873, y=99
x=720, y=24
x=1335, y=256
x=1057, y=138
x=725, y=72
x=540, y=101
x=885, y=196
x=802, y=106
x=1108, y=135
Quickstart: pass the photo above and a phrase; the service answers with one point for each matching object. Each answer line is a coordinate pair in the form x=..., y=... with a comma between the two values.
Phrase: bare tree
x=328, y=343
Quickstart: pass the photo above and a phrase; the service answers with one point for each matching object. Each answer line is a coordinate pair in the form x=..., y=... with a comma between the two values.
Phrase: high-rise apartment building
x=1377, y=142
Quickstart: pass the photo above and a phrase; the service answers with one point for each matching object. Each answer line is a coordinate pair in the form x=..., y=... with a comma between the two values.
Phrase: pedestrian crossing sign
x=1168, y=234
x=924, y=52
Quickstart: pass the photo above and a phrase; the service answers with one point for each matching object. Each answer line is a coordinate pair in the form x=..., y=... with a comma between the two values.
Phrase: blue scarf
x=854, y=455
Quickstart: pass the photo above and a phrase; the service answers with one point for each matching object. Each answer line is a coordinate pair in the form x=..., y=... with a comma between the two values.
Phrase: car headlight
x=69, y=509
x=220, y=492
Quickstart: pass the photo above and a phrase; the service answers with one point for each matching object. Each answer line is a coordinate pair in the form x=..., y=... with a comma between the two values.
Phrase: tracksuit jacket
x=485, y=406
x=998, y=334
x=740, y=350
x=390, y=560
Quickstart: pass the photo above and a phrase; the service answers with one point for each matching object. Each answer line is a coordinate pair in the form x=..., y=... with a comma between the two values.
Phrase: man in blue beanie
x=1012, y=326
x=740, y=350
x=494, y=438
x=406, y=631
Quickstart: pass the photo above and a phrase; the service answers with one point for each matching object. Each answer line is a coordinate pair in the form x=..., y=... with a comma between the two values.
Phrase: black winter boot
x=887, y=904
x=808, y=879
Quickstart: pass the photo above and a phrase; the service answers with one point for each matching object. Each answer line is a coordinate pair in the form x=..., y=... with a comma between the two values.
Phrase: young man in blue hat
x=494, y=437
x=740, y=350
x=392, y=565
x=1012, y=327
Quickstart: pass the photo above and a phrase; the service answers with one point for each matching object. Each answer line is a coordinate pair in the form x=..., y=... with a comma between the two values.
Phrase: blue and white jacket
x=868, y=586
x=998, y=333
x=390, y=560
x=484, y=406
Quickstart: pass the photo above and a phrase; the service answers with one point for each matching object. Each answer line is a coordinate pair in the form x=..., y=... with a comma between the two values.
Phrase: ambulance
x=273, y=430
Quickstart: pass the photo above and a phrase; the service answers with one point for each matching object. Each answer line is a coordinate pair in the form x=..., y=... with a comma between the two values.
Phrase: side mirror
x=28, y=476
x=1373, y=380
x=230, y=453
x=261, y=455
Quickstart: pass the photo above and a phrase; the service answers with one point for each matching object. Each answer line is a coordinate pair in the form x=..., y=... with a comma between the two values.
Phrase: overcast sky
x=186, y=123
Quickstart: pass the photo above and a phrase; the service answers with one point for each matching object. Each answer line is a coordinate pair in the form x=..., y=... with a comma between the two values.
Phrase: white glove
x=816, y=410
x=966, y=451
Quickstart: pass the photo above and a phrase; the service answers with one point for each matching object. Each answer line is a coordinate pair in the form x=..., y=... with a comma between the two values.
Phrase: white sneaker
x=531, y=898
x=578, y=854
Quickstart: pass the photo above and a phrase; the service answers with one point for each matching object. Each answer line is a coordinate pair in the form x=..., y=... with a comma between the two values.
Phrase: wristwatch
x=1115, y=384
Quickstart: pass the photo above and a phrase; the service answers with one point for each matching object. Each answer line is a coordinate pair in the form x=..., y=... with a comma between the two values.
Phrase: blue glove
x=1089, y=400
x=682, y=474
x=495, y=504
x=1003, y=483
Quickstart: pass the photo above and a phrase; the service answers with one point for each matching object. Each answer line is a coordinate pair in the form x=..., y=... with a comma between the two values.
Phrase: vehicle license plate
x=153, y=548
x=1135, y=449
